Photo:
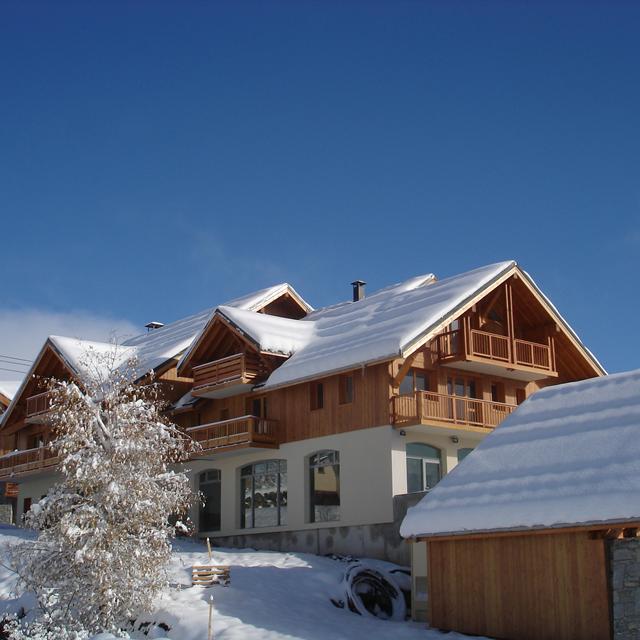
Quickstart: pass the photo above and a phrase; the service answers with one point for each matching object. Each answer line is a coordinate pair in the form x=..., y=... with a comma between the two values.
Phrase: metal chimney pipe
x=358, y=289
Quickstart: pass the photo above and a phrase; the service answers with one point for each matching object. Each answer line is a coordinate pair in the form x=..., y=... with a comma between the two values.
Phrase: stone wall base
x=624, y=556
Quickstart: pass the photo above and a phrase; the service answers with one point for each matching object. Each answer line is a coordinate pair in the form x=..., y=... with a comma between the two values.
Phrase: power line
x=2, y=355
x=14, y=370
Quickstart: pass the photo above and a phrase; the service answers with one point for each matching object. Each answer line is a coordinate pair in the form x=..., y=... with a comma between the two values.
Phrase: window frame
x=314, y=462
x=346, y=388
x=209, y=481
x=424, y=460
x=316, y=395
x=281, y=472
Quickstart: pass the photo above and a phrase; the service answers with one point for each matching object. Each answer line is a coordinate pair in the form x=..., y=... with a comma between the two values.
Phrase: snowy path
x=273, y=596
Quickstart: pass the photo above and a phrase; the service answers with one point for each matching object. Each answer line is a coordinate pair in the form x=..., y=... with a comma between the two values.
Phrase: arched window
x=423, y=467
x=463, y=453
x=263, y=494
x=324, y=486
x=210, y=509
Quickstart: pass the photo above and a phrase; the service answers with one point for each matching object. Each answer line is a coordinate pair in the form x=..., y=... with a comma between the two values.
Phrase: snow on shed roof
x=570, y=455
x=382, y=325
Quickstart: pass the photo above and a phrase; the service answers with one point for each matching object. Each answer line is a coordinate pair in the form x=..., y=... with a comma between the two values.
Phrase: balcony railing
x=235, y=432
x=427, y=406
x=39, y=404
x=19, y=462
x=238, y=368
x=458, y=345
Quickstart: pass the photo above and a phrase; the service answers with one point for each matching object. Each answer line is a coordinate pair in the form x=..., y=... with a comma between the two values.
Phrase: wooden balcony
x=26, y=461
x=495, y=354
x=235, y=433
x=225, y=377
x=437, y=409
x=38, y=408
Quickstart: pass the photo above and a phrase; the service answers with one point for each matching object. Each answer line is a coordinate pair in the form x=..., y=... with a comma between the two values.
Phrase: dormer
x=239, y=349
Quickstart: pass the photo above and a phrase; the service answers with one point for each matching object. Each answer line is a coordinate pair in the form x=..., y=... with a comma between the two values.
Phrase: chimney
x=358, y=290
x=154, y=325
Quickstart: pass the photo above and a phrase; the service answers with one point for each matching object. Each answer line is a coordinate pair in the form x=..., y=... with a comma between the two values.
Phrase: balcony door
x=463, y=388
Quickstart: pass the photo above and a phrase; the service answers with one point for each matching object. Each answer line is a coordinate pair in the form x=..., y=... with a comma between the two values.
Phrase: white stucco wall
x=366, y=479
x=34, y=487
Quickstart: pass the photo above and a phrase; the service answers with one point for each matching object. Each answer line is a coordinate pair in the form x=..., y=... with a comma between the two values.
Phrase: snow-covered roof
x=271, y=334
x=570, y=455
x=156, y=347
x=260, y=299
x=382, y=325
x=8, y=388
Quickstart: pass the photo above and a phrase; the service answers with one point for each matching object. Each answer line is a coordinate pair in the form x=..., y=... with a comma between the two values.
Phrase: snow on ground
x=272, y=596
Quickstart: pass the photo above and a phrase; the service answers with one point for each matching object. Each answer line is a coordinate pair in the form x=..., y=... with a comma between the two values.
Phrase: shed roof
x=569, y=456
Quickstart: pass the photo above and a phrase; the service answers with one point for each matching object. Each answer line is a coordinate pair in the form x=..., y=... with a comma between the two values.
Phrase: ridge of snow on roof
x=381, y=325
x=273, y=334
x=569, y=455
x=259, y=299
x=8, y=388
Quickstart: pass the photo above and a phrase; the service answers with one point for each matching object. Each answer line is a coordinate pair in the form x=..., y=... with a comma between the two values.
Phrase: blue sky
x=158, y=158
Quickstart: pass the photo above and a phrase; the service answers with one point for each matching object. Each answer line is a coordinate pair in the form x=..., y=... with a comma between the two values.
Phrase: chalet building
x=316, y=425
x=535, y=535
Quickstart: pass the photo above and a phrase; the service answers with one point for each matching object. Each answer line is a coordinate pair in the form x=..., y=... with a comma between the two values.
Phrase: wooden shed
x=519, y=534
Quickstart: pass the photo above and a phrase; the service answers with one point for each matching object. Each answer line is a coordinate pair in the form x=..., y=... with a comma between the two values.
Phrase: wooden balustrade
x=533, y=354
x=490, y=345
x=242, y=431
x=19, y=462
x=426, y=406
x=238, y=368
x=38, y=404
x=460, y=345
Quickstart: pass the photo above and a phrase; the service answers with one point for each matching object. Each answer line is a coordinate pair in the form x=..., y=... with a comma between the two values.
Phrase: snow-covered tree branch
x=104, y=532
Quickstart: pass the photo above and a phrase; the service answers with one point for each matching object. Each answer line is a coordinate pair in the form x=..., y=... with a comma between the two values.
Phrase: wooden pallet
x=206, y=575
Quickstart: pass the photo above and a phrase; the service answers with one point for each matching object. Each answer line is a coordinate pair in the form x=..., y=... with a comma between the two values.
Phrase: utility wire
x=14, y=370
x=2, y=355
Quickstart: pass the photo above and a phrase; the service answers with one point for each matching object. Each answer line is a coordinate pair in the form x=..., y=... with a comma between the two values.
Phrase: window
x=263, y=494
x=521, y=396
x=423, y=467
x=26, y=506
x=317, y=395
x=497, y=392
x=224, y=414
x=463, y=453
x=36, y=441
x=324, y=486
x=415, y=380
x=346, y=389
x=211, y=507
x=258, y=407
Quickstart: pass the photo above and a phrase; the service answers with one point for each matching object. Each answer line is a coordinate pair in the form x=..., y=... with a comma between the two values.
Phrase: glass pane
x=472, y=389
x=283, y=497
x=460, y=390
x=325, y=493
x=419, y=450
x=210, y=511
x=265, y=500
x=414, y=475
x=406, y=385
x=421, y=381
x=432, y=474
x=246, y=503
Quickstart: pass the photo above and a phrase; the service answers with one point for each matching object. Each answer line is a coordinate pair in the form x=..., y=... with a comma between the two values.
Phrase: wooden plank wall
x=296, y=421
x=524, y=587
